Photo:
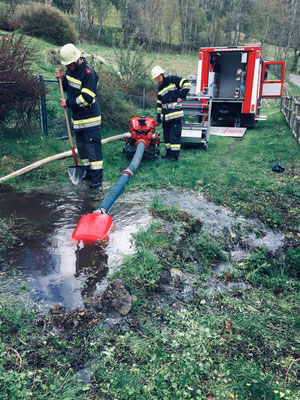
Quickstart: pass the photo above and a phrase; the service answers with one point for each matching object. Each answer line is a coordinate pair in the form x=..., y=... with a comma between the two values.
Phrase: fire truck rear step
x=237, y=132
x=261, y=118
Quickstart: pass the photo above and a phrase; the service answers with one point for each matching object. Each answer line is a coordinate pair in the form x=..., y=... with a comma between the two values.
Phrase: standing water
x=54, y=267
x=58, y=270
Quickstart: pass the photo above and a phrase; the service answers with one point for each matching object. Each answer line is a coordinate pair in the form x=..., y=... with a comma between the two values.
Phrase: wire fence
x=52, y=115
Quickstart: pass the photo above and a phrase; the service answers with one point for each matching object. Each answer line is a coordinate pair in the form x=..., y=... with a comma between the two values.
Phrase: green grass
x=33, y=361
x=240, y=344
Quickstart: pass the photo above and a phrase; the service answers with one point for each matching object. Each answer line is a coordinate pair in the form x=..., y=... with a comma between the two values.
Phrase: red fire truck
x=237, y=78
x=227, y=91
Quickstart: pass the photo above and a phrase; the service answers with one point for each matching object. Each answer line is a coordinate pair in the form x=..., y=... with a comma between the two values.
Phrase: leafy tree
x=20, y=89
x=130, y=62
x=129, y=12
x=64, y=5
x=92, y=12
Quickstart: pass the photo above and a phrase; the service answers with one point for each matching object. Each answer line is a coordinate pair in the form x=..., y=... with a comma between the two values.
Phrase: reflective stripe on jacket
x=168, y=92
x=82, y=92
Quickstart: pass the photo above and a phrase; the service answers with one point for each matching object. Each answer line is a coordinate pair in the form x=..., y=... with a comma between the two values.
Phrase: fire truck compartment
x=227, y=75
x=229, y=113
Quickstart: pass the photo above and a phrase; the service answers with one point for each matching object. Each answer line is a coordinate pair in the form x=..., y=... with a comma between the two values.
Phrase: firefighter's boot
x=167, y=155
x=87, y=176
x=96, y=179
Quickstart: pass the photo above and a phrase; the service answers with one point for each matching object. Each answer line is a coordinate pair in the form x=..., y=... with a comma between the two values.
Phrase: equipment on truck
x=225, y=97
x=197, y=117
x=142, y=129
x=237, y=78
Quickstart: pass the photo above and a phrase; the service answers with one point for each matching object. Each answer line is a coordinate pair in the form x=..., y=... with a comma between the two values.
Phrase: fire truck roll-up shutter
x=199, y=75
x=273, y=75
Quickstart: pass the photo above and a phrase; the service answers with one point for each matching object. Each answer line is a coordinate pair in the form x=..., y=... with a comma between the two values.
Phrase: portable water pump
x=141, y=140
x=142, y=129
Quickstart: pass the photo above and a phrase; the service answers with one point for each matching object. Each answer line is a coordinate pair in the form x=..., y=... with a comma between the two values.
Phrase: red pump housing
x=142, y=129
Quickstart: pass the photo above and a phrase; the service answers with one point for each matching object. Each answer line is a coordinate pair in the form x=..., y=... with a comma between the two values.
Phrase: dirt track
x=295, y=79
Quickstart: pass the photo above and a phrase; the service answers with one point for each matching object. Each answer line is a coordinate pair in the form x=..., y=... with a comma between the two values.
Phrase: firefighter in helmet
x=171, y=91
x=80, y=83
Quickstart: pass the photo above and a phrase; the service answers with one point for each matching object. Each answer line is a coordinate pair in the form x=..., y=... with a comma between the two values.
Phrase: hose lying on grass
x=53, y=158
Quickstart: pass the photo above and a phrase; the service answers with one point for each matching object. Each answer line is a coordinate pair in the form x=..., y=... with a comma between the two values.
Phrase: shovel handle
x=68, y=123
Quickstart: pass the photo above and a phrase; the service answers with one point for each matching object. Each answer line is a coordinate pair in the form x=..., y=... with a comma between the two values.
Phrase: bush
x=116, y=112
x=20, y=89
x=44, y=21
x=53, y=56
x=293, y=262
x=107, y=36
x=5, y=22
x=130, y=62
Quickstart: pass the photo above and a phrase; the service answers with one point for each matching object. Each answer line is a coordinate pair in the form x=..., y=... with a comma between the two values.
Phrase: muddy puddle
x=53, y=269
x=52, y=266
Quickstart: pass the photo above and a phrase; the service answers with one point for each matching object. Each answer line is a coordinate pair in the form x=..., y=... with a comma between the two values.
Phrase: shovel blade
x=92, y=228
x=76, y=174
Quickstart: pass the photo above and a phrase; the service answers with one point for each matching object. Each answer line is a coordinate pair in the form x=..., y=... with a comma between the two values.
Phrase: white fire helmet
x=69, y=54
x=156, y=71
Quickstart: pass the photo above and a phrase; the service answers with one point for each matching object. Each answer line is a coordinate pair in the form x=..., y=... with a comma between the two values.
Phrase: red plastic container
x=92, y=228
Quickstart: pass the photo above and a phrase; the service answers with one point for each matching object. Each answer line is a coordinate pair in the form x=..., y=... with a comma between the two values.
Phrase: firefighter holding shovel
x=80, y=83
x=171, y=91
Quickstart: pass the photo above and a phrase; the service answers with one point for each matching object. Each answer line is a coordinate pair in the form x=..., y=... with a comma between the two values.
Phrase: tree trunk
x=295, y=60
x=237, y=33
x=81, y=16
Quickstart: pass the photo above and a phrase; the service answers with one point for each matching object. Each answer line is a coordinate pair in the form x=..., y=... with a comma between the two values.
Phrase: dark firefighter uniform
x=81, y=87
x=170, y=113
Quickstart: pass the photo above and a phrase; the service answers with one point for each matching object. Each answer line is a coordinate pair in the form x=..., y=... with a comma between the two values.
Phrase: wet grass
x=34, y=362
x=239, y=344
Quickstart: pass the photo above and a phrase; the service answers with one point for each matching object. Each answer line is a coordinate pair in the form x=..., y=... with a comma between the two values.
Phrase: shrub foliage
x=20, y=89
x=130, y=62
x=115, y=110
x=44, y=21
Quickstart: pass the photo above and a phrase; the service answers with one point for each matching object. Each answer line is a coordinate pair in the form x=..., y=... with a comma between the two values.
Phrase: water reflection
x=54, y=268
x=91, y=265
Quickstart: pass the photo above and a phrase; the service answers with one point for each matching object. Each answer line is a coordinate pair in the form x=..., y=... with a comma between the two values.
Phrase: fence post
x=43, y=109
x=285, y=107
x=290, y=109
x=297, y=129
x=293, y=118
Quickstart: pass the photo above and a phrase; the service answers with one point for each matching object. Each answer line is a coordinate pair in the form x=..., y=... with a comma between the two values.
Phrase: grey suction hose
x=118, y=187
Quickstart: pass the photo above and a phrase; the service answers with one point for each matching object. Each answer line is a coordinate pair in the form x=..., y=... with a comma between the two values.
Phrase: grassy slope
x=189, y=351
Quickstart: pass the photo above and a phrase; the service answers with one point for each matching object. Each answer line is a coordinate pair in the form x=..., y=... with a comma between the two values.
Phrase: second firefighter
x=171, y=91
